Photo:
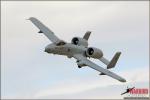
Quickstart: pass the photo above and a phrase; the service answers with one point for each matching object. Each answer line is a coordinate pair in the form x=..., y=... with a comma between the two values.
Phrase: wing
x=87, y=62
x=43, y=29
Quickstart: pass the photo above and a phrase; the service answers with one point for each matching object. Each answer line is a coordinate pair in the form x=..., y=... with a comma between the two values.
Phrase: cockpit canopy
x=60, y=43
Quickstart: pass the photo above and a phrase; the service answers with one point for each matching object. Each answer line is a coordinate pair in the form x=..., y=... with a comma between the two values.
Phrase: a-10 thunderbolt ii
x=78, y=49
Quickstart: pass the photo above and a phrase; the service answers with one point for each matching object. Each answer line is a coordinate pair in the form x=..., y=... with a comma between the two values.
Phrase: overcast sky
x=29, y=72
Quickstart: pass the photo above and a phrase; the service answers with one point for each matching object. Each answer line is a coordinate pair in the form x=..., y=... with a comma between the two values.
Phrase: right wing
x=87, y=62
x=43, y=29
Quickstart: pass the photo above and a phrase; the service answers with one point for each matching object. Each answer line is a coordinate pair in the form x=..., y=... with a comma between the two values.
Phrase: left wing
x=87, y=62
x=43, y=29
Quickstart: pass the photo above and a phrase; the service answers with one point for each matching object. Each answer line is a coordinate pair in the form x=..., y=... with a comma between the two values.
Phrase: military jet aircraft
x=78, y=49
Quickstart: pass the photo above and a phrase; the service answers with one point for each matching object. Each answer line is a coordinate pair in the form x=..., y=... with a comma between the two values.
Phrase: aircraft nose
x=45, y=50
x=48, y=50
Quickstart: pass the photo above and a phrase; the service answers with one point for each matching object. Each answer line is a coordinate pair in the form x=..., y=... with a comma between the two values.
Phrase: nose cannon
x=47, y=50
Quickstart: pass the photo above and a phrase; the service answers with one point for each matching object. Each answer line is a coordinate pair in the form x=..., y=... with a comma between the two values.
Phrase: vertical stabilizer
x=112, y=63
x=87, y=35
x=114, y=60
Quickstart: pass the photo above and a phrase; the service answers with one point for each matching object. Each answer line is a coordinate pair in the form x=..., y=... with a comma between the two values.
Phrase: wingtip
x=122, y=80
x=31, y=18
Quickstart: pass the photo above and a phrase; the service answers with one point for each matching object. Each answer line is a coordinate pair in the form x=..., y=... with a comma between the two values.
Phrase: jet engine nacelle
x=94, y=53
x=79, y=41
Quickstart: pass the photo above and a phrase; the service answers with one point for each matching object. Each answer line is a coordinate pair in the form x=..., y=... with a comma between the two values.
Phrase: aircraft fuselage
x=67, y=49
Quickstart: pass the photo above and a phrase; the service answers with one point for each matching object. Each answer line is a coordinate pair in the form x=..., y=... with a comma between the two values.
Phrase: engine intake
x=75, y=41
x=94, y=53
x=79, y=41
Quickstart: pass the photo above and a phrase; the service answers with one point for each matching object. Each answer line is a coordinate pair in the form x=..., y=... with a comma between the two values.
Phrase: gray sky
x=29, y=72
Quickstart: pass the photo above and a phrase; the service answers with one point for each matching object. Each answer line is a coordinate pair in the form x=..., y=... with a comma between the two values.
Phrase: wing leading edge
x=43, y=29
x=98, y=68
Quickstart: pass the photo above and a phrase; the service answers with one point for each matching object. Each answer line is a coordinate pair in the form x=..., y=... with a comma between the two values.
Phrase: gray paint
x=71, y=50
